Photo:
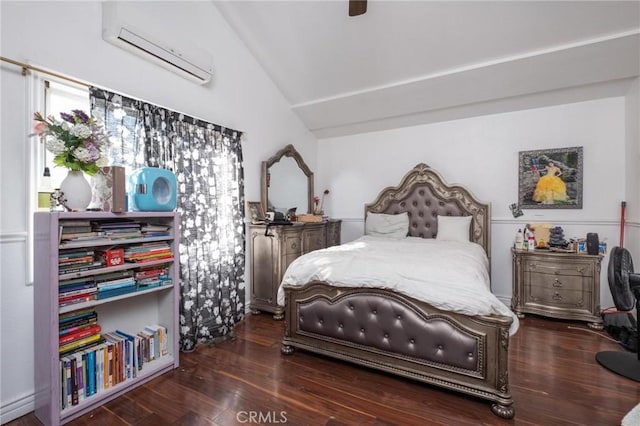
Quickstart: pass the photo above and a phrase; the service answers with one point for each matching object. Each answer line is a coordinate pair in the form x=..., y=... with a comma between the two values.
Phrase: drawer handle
x=581, y=269
x=557, y=283
x=557, y=296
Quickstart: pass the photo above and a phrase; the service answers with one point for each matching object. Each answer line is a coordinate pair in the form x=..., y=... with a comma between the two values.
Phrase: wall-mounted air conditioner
x=196, y=66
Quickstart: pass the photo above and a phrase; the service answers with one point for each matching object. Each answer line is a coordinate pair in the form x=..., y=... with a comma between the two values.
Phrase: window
x=50, y=97
x=59, y=97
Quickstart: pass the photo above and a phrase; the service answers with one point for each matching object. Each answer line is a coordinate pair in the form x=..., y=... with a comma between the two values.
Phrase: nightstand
x=557, y=285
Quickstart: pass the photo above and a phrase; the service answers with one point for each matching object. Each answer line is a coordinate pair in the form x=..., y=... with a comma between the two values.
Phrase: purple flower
x=95, y=154
x=68, y=117
x=84, y=118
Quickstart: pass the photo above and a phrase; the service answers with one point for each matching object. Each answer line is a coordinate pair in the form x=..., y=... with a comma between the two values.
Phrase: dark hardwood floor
x=554, y=378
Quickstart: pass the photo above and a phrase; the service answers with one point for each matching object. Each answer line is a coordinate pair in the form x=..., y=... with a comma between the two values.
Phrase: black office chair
x=625, y=289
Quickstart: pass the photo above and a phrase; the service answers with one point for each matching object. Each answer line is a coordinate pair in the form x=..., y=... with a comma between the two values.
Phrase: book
x=78, y=268
x=133, y=358
x=80, y=375
x=69, y=326
x=113, y=276
x=91, y=371
x=116, y=283
x=90, y=322
x=79, y=334
x=116, y=292
x=150, y=346
x=79, y=292
x=71, y=254
x=76, y=286
x=81, y=298
x=79, y=344
x=75, y=315
x=74, y=381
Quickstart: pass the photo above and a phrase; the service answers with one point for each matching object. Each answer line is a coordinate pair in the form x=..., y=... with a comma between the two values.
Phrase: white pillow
x=387, y=225
x=453, y=228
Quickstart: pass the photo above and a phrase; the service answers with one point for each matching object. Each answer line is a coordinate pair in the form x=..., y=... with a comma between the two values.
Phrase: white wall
x=482, y=154
x=66, y=37
x=632, y=165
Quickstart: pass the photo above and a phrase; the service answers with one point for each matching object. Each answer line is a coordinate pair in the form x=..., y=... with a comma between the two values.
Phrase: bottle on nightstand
x=519, y=240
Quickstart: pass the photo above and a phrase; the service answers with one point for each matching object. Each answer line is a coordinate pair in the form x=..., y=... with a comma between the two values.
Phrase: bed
x=386, y=328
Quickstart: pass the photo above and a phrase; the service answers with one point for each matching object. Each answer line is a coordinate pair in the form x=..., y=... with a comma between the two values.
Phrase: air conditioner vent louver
x=196, y=67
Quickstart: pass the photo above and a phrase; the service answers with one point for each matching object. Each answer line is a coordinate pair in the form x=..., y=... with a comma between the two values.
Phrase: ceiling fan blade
x=357, y=7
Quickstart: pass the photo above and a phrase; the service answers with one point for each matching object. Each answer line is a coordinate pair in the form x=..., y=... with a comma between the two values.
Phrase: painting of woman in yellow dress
x=550, y=178
x=550, y=187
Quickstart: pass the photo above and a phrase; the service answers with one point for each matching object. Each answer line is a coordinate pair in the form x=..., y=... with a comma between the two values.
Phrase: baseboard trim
x=17, y=408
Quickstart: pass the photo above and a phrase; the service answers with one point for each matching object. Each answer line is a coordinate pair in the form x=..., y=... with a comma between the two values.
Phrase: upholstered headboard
x=424, y=195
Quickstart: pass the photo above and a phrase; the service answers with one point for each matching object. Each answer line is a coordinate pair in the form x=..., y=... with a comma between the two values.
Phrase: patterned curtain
x=207, y=162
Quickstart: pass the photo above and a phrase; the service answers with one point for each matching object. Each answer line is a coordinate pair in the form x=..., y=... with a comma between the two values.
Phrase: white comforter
x=451, y=276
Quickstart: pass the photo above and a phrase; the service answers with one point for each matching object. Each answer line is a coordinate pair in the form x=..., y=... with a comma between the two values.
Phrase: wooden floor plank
x=554, y=379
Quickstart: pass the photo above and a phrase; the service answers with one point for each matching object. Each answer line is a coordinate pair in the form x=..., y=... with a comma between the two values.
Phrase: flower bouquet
x=78, y=141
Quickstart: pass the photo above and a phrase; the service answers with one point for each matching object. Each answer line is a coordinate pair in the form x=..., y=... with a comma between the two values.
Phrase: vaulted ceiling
x=412, y=62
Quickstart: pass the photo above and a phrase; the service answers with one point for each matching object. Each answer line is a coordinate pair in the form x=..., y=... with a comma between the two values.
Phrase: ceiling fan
x=357, y=7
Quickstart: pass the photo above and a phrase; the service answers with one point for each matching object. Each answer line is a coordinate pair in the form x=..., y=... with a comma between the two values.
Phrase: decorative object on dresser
x=550, y=179
x=557, y=285
x=274, y=247
x=106, y=295
x=467, y=353
x=255, y=212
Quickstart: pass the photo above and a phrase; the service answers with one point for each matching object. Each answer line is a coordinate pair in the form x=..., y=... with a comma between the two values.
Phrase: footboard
x=400, y=335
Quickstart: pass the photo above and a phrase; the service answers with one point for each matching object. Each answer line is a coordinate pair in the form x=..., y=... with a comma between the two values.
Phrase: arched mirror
x=287, y=182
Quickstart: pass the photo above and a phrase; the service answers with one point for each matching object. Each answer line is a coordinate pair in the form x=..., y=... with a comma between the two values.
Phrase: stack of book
x=78, y=230
x=76, y=291
x=152, y=277
x=117, y=357
x=76, y=260
x=78, y=330
x=115, y=284
x=118, y=229
x=148, y=252
x=154, y=230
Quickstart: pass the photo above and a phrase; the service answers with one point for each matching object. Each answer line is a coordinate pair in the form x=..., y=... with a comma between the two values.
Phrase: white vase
x=76, y=190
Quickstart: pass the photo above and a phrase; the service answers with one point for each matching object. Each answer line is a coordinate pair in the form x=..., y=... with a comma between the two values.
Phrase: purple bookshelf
x=130, y=312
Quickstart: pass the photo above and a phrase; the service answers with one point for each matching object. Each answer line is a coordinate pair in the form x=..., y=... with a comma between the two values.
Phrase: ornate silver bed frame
x=398, y=334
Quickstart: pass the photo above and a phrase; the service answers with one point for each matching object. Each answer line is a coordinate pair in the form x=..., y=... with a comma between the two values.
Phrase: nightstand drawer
x=560, y=298
x=558, y=268
x=557, y=281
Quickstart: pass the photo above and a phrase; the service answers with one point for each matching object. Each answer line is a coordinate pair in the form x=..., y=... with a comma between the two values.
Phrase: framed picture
x=255, y=211
x=550, y=179
x=582, y=247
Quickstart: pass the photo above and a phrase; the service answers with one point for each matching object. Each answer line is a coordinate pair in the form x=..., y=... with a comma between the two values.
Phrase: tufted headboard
x=424, y=195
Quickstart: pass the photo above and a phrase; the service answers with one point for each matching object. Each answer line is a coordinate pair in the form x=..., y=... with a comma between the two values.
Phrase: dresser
x=273, y=249
x=558, y=285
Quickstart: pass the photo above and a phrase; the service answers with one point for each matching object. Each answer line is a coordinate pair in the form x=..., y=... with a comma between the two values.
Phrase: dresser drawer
x=313, y=239
x=560, y=298
x=559, y=268
x=292, y=244
x=557, y=281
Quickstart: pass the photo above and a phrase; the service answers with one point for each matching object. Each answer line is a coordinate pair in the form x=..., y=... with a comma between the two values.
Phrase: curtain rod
x=26, y=67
